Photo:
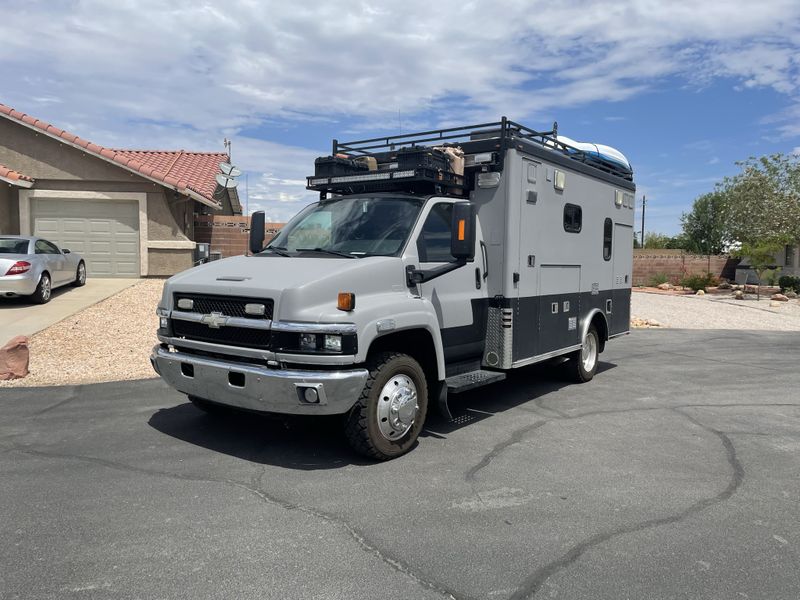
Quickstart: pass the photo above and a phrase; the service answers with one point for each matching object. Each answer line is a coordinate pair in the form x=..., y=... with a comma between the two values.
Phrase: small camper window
x=608, y=229
x=573, y=218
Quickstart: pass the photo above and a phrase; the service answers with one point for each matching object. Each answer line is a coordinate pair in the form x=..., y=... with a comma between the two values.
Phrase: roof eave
x=17, y=182
x=192, y=194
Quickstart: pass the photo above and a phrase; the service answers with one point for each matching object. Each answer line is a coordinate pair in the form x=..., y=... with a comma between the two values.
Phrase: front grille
x=230, y=336
x=231, y=306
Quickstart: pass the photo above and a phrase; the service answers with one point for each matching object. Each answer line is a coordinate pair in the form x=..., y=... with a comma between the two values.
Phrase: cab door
x=460, y=298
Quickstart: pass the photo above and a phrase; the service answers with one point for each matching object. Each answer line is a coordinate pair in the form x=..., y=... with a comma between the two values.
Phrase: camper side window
x=573, y=218
x=433, y=244
x=608, y=229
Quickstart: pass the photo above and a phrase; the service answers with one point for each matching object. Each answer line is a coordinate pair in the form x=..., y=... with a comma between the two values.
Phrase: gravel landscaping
x=112, y=340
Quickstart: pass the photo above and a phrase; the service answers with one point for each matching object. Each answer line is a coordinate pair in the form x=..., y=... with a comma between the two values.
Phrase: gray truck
x=433, y=263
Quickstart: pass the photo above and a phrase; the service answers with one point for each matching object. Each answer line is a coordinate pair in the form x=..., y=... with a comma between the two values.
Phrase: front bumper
x=255, y=387
x=18, y=285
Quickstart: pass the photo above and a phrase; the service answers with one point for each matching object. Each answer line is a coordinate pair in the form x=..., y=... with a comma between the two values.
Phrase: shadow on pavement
x=312, y=443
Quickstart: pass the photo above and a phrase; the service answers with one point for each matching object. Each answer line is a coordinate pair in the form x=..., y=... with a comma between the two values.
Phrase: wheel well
x=600, y=324
x=417, y=343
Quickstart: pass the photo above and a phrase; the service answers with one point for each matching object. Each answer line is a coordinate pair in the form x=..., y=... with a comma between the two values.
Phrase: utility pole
x=247, y=194
x=644, y=205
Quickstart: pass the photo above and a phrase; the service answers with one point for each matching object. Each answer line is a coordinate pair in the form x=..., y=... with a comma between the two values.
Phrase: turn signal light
x=346, y=301
x=19, y=267
x=462, y=230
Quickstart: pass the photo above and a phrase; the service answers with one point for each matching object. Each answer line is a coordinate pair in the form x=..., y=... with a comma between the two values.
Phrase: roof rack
x=493, y=137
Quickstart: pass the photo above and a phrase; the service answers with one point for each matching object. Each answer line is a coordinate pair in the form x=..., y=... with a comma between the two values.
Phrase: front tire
x=80, y=275
x=388, y=417
x=44, y=290
x=582, y=363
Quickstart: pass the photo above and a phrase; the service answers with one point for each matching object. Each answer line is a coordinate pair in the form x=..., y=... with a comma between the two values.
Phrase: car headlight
x=333, y=343
x=308, y=341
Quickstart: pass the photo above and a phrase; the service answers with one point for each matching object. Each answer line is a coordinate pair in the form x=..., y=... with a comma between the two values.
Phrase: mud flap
x=441, y=401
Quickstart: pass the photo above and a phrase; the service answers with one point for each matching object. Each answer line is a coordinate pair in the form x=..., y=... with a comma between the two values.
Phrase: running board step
x=467, y=381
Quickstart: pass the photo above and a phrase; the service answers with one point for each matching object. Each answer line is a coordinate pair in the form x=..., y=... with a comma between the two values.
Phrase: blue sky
x=684, y=89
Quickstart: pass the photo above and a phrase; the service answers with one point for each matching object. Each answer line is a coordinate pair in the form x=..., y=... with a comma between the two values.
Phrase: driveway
x=674, y=474
x=19, y=317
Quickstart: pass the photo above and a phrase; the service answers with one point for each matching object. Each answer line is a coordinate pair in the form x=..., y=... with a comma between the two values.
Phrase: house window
x=789, y=256
x=608, y=228
x=573, y=218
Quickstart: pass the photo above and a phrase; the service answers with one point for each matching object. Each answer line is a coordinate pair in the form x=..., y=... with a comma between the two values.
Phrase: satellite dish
x=226, y=182
x=229, y=170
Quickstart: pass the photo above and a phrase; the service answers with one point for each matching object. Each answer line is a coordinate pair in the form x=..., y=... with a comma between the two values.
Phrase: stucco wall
x=5, y=208
x=168, y=262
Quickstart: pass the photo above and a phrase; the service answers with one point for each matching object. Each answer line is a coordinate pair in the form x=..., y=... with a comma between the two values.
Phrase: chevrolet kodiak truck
x=433, y=263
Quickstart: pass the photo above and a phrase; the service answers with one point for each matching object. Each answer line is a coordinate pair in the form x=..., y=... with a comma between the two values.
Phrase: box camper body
x=432, y=264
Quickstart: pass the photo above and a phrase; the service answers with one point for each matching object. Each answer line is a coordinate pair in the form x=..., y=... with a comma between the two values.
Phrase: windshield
x=352, y=226
x=13, y=246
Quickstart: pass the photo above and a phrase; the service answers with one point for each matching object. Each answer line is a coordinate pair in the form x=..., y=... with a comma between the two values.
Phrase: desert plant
x=698, y=282
x=658, y=279
x=789, y=282
x=771, y=276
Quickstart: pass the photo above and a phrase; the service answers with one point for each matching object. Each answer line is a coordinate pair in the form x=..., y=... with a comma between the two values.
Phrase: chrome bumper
x=259, y=388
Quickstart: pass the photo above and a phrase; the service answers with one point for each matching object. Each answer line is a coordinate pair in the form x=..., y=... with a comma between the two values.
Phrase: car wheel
x=582, y=363
x=80, y=275
x=44, y=290
x=388, y=417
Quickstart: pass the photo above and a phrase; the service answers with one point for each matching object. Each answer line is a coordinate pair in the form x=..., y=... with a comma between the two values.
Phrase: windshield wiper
x=279, y=250
x=333, y=252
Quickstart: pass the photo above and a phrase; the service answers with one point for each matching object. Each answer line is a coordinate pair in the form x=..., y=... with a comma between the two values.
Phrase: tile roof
x=14, y=177
x=191, y=173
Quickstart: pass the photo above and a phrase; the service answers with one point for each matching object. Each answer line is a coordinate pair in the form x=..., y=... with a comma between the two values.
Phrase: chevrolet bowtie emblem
x=215, y=320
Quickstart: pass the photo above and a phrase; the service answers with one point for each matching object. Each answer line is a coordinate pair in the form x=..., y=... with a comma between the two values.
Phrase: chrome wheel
x=589, y=351
x=46, y=288
x=81, y=274
x=397, y=407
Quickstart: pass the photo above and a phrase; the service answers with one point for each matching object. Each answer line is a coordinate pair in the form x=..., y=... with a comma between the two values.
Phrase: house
x=130, y=213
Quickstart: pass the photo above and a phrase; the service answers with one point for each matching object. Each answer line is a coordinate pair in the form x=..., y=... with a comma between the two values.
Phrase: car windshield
x=13, y=246
x=350, y=226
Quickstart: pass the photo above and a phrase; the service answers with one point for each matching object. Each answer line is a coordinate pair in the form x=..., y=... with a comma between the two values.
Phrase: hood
x=303, y=288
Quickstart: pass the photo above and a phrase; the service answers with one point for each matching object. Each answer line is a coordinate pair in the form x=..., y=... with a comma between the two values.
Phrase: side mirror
x=257, y=232
x=65, y=250
x=462, y=241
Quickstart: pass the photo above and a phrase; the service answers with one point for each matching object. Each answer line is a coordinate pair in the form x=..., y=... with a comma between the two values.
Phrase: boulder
x=790, y=294
x=774, y=303
x=779, y=298
x=724, y=285
x=14, y=358
x=738, y=294
x=700, y=293
x=664, y=286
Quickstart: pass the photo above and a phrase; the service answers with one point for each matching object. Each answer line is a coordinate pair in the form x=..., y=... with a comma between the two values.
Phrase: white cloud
x=185, y=74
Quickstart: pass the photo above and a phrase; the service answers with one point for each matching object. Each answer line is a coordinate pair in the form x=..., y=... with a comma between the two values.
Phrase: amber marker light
x=346, y=301
x=461, y=227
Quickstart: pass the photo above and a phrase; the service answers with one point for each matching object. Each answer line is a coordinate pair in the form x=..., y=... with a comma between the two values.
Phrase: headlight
x=162, y=312
x=308, y=341
x=163, y=322
x=333, y=343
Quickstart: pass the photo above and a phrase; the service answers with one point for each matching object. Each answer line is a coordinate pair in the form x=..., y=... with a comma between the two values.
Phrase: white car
x=33, y=267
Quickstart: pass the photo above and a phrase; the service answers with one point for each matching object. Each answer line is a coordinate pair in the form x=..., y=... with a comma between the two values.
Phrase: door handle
x=485, y=257
x=477, y=278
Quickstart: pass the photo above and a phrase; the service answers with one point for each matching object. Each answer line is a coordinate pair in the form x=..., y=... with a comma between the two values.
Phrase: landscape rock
x=779, y=298
x=774, y=303
x=738, y=295
x=724, y=285
x=664, y=286
x=790, y=294
x=700, y=293
x=14, y=359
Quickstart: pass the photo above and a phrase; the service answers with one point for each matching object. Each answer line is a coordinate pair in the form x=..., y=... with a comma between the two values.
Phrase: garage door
x=106, y=233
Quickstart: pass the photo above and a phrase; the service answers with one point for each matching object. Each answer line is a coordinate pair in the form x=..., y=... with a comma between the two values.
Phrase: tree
x=761, y=257
x=704, y=228
x=761, y=205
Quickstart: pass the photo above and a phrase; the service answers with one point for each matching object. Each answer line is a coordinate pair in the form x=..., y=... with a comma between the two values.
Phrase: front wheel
x=582, y=363
x=80, y=275
x=388, y=417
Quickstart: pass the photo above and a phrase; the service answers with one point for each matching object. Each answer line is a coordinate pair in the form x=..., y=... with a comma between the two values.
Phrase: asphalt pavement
x=675, y=473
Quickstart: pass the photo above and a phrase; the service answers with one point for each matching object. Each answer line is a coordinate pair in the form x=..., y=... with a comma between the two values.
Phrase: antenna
x=227, y=143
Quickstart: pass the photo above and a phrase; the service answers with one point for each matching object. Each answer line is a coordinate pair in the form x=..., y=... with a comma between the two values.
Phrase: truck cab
x=407, y=283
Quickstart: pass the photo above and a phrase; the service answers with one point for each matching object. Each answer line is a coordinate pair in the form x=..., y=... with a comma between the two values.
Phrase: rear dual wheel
x=388, y=417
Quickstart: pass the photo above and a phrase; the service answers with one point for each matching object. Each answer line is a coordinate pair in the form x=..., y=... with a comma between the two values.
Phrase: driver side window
x=43, y=247
x=433, y=244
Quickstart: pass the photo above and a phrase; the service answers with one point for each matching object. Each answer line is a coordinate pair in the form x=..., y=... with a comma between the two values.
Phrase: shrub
x=789, y=282
x=658, y=279
x=771, y=276
x=698, y=282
